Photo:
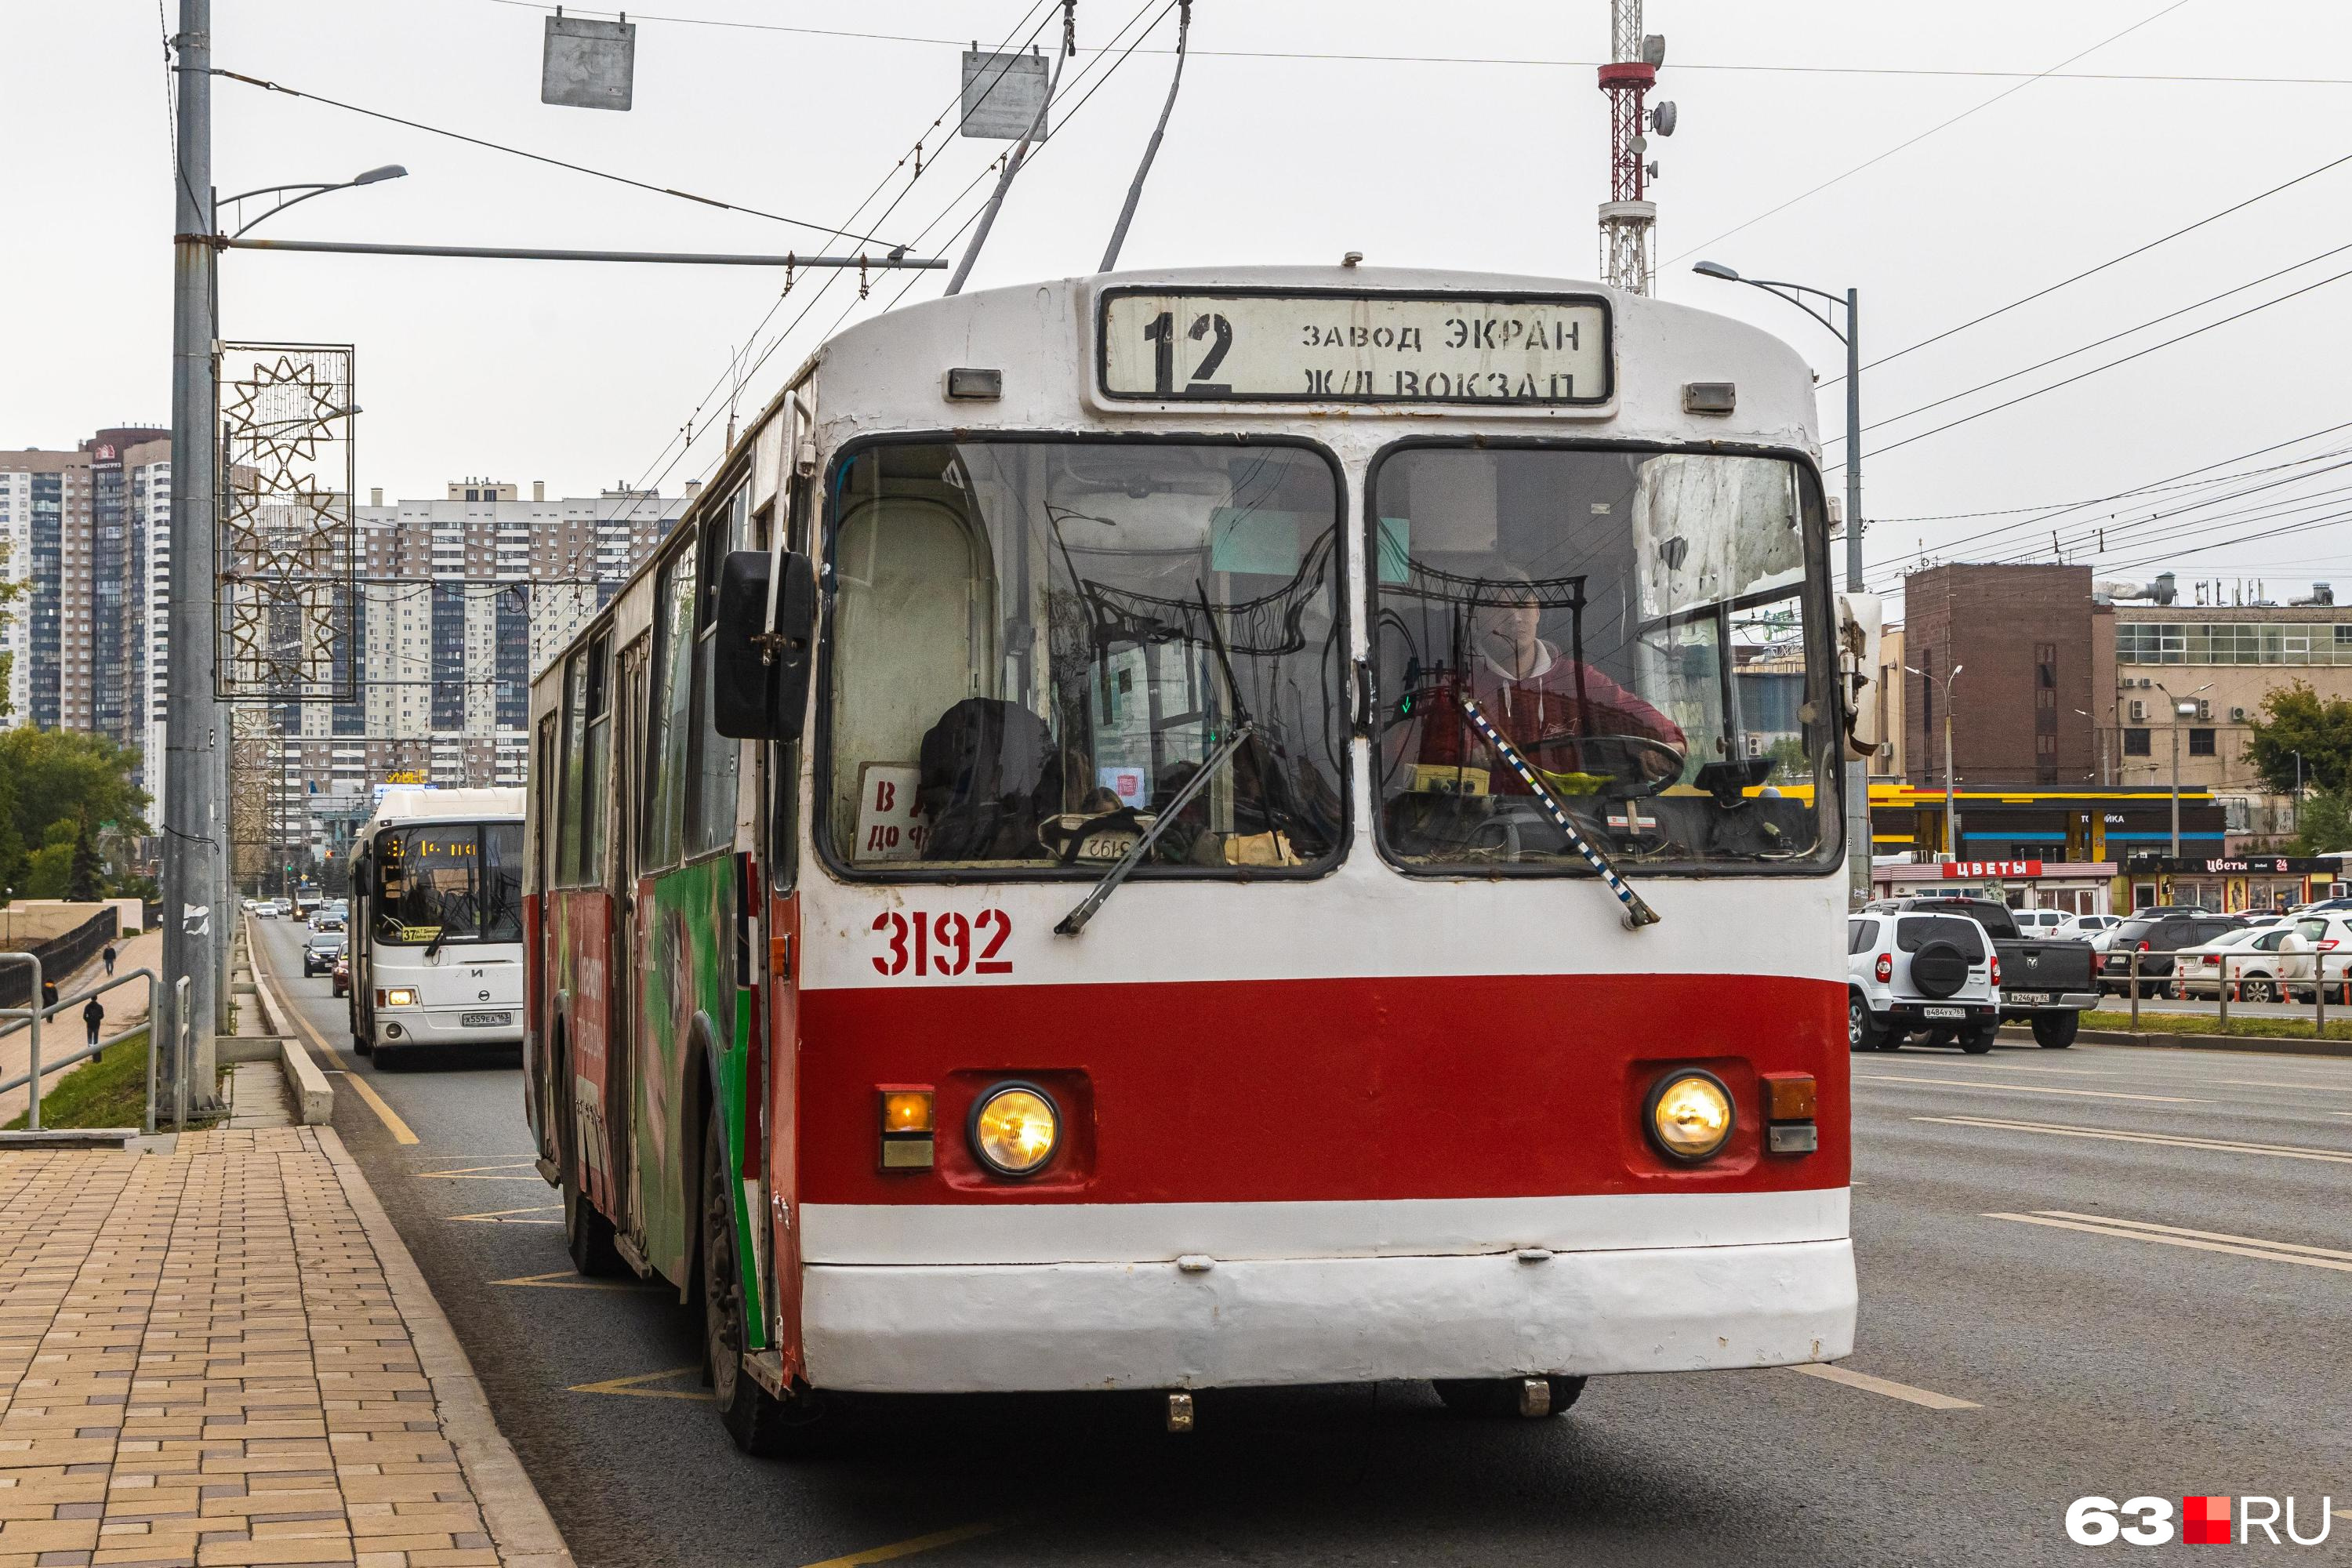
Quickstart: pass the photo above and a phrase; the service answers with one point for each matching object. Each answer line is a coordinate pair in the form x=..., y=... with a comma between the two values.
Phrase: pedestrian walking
x=94, y=1015
x=109, y=956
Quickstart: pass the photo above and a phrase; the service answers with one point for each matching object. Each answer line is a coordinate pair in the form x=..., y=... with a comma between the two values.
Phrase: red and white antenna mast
x=1629, y=217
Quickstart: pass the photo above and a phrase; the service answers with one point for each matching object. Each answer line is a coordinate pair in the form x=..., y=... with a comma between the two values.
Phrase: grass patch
x=109, y=1093
x=2266, y=1028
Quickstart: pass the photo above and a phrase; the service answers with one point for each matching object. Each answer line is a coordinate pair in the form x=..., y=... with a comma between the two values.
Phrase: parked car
x=2040, y=922
x=320, y=952
x=2090, y=928
x=344, y=975
x=2157, y=938
x=1934, y=974
x=2329, y=935
x=2050, y=982
x=2264, y=963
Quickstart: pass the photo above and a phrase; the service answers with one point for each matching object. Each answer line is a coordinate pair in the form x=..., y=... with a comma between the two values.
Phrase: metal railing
x=30, y=1019
x=2286, y=975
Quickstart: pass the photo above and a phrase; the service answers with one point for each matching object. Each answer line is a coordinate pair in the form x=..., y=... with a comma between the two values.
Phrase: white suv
x=1931, y=974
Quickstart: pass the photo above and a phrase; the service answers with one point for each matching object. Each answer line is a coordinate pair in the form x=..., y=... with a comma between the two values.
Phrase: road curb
x=306, y=1084
x=512, y=1510
x=2258, y=1045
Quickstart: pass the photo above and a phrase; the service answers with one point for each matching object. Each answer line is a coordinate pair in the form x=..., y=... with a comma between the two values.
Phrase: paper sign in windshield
x=889, y=827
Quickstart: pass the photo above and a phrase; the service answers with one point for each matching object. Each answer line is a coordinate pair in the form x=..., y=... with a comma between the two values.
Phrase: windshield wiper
x=1637, y=912
x=1075, y=920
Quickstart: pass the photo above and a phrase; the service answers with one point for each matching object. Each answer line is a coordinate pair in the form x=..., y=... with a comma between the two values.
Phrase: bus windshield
x=1635, y=624
x=1036, y=645
x=449, y=883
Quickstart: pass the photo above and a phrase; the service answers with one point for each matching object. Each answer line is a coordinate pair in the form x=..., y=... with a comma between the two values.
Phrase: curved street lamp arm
x=264, y=190
x=306, y=195
x=1789, y=291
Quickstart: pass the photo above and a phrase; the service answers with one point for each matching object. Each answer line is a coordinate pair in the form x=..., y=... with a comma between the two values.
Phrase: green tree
x=51, y=783
x=2326, y=819
x=84, y=876
x=2295, y=718
x=9, y=590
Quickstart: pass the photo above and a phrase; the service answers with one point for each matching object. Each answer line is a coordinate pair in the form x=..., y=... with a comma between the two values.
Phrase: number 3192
x=923, y=943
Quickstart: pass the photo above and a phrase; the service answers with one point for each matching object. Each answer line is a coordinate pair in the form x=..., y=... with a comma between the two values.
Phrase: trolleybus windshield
x=454, y=882
x=1036, y=644
x=1637, y=624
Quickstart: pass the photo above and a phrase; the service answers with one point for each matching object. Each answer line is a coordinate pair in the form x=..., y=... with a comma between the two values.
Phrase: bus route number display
x=1268, y=346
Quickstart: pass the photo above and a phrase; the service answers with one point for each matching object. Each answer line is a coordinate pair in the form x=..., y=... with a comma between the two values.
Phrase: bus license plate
x=1945, y=1012
x=2026, y=998
x=483, y=1020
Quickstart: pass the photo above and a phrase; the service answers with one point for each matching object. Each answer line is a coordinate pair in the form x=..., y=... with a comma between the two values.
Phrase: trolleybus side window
x=1643, y=628
x=596, y=759
x=710, y=814
x=1036, y=645
x=571, y=812
x=671, y=715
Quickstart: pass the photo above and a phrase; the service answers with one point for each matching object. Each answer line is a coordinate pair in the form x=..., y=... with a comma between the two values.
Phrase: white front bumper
x=980, y=1327
x=443, y=1026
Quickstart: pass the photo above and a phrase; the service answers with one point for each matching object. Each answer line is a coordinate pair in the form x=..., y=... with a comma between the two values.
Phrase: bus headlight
x=1015, y=1130
x=398, y=996
x=1689, y=1115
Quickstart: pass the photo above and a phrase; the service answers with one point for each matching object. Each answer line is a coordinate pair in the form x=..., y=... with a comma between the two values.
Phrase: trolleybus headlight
x=1689, y=1115
x=1015, y=1129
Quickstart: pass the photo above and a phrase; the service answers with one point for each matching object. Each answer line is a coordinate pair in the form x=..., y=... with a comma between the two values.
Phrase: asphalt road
x=2118, y=1360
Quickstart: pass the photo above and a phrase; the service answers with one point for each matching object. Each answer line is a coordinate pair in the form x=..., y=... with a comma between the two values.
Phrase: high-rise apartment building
x=85, y=534
x=464, y=599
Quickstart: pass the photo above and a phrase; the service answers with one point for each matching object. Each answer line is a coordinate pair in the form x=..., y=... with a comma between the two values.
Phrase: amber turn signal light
x=1790, y=1100
x=906, y=1126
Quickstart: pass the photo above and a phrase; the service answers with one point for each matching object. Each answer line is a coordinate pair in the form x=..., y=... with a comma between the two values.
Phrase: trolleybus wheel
x=760, y=1423
x=587, y=1234
x=2055, y=1031
x=1500, y=1396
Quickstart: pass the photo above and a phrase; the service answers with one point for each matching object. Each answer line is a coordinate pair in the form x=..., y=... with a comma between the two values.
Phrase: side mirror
x=760, y=678
x=1858, y=619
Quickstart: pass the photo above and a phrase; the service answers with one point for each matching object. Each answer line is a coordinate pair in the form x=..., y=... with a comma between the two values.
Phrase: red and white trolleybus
x=1177, y=830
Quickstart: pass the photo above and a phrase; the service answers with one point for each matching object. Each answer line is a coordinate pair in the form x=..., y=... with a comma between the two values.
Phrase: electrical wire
x=557, y=163
x=1915, y=140
x=2100, y=342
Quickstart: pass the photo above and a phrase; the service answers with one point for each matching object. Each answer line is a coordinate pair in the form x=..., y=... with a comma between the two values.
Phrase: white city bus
x=436, y=922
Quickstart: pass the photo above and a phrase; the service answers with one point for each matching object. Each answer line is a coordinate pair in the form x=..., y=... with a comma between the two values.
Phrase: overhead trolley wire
x=543, y=158
x=1922, y=136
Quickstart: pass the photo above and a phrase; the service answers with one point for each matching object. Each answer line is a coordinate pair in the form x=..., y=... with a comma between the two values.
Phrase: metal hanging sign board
x=588, y=63
x=1004, y=96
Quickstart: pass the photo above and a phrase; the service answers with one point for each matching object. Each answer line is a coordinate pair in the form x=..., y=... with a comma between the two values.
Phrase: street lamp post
x=2183, y=707
x=1952, y=824
x=1857, y=778
x=2297, y=818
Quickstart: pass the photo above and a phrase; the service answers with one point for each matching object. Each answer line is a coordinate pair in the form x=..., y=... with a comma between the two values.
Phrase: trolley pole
x=1857, y=771
x=195, y=835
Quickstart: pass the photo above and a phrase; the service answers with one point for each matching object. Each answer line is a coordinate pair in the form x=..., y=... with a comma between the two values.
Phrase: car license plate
x=1945, y=1012
x=483, y=1020
x=2026, y=998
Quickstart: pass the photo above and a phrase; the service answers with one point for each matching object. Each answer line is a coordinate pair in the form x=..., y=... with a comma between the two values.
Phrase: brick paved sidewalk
x=223, y=1354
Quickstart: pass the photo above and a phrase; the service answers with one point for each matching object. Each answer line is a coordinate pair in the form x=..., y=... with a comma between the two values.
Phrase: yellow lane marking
x=504, y=1216
x=2057, y=1129
x=1902, y=1391
x=563, y=1281
x=487, y=1172
x=931, y=1543
x=2158, y=1232
x=2270, y=1252
x=2030, y=1088
x=399, y=1130
x=630, y=1386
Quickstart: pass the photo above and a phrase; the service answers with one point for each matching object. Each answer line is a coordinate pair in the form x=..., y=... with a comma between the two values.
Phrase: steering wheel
x=1631, y=766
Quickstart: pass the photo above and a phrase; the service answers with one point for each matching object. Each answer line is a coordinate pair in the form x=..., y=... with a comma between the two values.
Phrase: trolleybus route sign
x=1252, y=345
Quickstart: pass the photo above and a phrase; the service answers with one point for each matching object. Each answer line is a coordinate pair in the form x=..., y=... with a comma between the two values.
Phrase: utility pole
x=2183, y=707
x=196, y=829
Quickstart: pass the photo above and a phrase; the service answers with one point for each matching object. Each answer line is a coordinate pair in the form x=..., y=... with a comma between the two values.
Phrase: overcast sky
x=578, y=375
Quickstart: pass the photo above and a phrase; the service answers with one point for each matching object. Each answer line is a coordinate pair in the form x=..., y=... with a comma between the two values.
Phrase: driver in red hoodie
x=1530, y=693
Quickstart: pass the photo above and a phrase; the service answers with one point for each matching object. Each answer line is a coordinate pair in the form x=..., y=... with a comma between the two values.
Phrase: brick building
x=2023, y=704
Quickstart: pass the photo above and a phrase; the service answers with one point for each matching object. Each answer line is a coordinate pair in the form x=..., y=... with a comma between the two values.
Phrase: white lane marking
x=1892, y=1390
x=2204, y=1235
x=2036, y=1067
x=2277, y=1083
x=2339, y=1263
x=2057, y=1129
x=2031, y=1088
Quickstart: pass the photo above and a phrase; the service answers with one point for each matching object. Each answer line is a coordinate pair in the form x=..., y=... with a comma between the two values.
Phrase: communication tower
x=1629, y=219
